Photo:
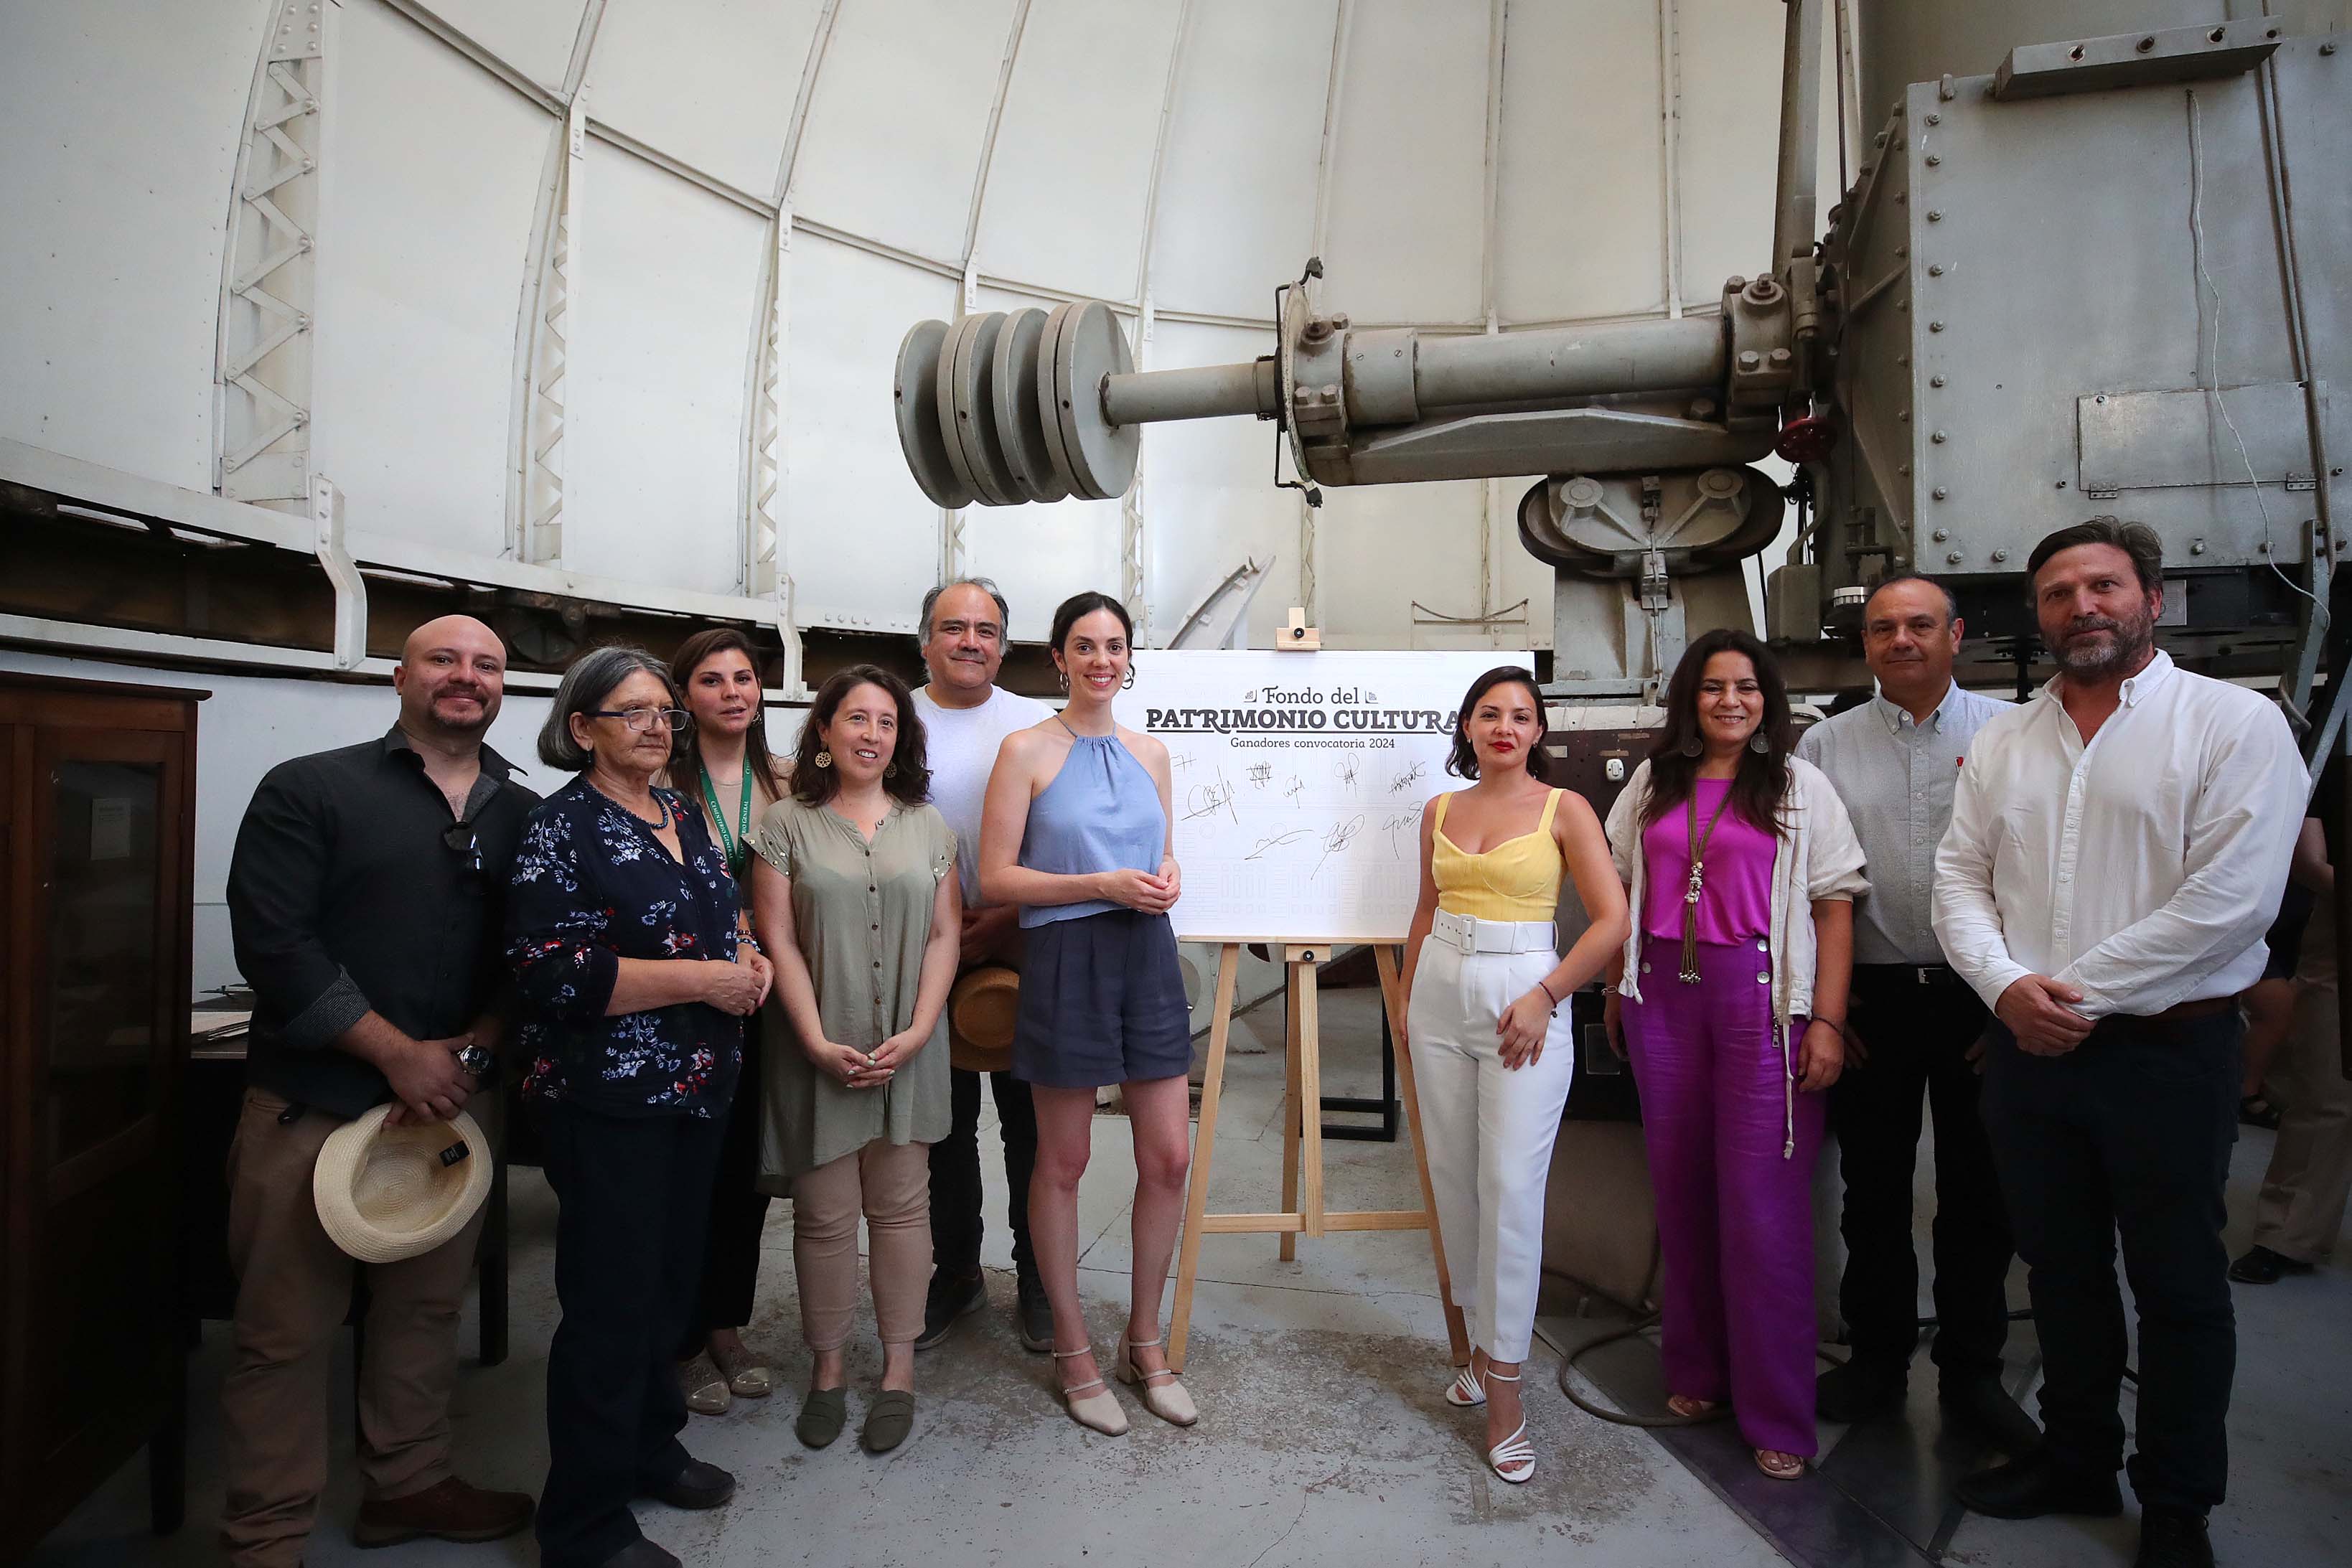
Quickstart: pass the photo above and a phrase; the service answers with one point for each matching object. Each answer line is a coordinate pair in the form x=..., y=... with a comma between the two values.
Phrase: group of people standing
x=405, y=908
x=2033, y=918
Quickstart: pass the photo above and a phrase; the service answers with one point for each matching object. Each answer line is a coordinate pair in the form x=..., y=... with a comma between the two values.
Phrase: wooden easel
x=1302, y=1137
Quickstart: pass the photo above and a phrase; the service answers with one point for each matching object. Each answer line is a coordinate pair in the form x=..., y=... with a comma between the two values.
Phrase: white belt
x=1467, y=933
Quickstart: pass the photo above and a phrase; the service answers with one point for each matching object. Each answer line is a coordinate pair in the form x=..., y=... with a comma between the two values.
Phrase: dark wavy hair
x=1463, y=761
x=1760, y=788
x=814, y=786
x=686, y=750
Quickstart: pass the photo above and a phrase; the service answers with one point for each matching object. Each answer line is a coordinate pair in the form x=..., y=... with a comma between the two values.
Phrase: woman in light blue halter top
x=1075, y=831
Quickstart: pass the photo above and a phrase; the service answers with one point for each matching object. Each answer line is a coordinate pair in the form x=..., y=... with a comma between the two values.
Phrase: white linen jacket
x=1817, y=856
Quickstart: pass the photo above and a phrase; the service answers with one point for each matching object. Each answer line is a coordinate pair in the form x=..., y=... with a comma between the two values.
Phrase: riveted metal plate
x=969, y=378
x=914, y=391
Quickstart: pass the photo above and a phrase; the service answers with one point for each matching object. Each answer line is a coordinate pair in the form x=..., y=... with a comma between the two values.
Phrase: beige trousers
x=294, y=1289
x=2300, y=1211
x=890, y=1184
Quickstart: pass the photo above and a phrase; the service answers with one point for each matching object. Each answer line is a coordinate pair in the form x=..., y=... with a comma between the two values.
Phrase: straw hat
x=979, y=1019
x=388, y=1193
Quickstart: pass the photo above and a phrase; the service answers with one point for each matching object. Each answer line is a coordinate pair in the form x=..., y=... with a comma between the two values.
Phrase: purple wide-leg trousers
x=1735, y=1216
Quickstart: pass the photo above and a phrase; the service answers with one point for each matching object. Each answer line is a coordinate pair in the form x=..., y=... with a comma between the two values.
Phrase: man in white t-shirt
x=966, y=716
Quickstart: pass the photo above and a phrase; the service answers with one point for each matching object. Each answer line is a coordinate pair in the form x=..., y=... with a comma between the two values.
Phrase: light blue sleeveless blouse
x=1101, y=812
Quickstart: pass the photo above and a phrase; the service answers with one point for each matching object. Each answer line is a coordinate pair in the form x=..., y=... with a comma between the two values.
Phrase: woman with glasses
x=635, y=970
x=856, y=893
x=720, y=762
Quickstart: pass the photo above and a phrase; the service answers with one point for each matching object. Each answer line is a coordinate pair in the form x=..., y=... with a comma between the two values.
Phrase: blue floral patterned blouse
x=592, y=886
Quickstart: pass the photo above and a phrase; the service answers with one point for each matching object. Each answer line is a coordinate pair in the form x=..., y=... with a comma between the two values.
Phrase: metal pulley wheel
x=1088, y=351
x=1020, y=418
x=969, y=410
x=923, y=438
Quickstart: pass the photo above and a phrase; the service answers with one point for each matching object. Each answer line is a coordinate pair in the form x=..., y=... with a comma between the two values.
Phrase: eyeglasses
x=641, y=719
x=461, y=841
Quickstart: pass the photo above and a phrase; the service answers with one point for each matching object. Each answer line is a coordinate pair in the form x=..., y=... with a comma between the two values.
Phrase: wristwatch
x=476, y=1059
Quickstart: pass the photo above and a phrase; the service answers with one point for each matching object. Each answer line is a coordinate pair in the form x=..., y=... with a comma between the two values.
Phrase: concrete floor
x=1323, y=1438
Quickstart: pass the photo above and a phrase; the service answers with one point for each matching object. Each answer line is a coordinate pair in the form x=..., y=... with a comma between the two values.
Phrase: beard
x=2129, y=643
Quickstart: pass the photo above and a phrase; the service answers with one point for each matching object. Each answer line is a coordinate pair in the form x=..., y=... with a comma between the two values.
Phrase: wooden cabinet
x=97, y=830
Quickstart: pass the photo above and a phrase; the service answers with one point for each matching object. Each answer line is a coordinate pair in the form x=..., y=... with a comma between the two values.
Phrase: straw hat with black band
x=979, y=1019
x=388, y=1193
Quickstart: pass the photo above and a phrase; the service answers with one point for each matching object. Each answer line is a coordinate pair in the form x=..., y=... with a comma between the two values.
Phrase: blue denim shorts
x=1102, y=1001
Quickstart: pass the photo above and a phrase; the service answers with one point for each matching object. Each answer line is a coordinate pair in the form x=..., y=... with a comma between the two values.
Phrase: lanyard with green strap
x=732, y=842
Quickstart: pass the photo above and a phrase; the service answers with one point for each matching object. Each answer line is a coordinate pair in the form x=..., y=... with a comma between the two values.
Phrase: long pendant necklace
x=1698, y=842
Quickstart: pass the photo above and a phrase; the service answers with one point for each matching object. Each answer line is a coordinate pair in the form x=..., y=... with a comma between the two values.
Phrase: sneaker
x=951, y=1296
x=1032, y=1314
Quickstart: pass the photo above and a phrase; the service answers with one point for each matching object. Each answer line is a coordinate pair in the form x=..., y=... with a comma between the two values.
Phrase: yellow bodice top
x=1519, y=879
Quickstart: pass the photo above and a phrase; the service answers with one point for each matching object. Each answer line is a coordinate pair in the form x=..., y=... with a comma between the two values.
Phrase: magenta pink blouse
x=1738, y=904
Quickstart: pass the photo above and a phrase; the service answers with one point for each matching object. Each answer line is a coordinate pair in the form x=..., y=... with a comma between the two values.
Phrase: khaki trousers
x=891, y=1185
x=2300, y=1209
x=294, y=1289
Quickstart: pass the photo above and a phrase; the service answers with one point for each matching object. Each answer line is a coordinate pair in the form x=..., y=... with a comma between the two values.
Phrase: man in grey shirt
x=1911, y=1029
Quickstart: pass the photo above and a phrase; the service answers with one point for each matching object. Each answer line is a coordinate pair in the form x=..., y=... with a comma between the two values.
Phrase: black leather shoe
x=2260, y=1266
x=1860, y=1389
x=698, y=1486
x=642, y=1553
x=2170, y=1538
x=2030, y=1486
x=1032, y=1314
x=1986, y=1407
x=949, y=1298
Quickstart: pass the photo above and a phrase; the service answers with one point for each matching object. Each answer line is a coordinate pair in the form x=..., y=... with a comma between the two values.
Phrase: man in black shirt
x=365, y=899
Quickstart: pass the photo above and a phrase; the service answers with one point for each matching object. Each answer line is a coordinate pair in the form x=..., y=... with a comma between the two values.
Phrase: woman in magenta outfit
x=1733, y=997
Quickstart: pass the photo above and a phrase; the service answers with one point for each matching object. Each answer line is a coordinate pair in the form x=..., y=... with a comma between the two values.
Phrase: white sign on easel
x=1298, y=782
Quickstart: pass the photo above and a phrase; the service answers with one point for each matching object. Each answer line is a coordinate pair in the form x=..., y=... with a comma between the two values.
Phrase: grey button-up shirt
x=1895, y=776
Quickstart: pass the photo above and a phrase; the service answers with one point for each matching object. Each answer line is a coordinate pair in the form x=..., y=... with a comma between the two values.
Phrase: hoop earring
x=1062, y=676
x=891, y=772
x=1129, y=684
x=1693, y=747
x=823, y=759
x=1760, y=743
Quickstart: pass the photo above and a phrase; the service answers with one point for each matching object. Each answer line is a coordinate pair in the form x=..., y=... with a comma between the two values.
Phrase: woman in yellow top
x=1488, y=1024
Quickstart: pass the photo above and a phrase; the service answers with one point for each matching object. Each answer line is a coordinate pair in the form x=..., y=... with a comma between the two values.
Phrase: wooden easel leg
x=1204, y=1143
x=1310, y=1080
x=1293, y=1108
x=1392, y=996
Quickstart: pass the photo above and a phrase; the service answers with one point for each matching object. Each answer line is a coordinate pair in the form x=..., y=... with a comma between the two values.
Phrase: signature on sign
x=1398, y=825
x=1208, y=799
x=1408, y=778
x=1336, y=839
x=1277, y=842
x=1295, y=788
x=1261, y=774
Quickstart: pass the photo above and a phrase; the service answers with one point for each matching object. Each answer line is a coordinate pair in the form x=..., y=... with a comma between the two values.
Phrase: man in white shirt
x=966, y=716
x=1913, y=1028
x=2117, y=849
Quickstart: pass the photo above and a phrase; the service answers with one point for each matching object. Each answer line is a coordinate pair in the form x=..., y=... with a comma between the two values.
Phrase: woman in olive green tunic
x=855, y=895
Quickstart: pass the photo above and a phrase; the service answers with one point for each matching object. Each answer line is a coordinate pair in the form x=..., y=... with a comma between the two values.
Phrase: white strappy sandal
x=1465, y=1392
x=1168, y=1400
x=1513, y=1459
x=1099, y=1410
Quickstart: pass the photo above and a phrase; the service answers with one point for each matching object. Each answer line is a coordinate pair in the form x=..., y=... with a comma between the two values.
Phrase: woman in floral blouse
x=628, y=944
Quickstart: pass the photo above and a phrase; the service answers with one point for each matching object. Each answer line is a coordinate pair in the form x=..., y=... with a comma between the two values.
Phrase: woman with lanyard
x=1743, y=869
x=720, y=760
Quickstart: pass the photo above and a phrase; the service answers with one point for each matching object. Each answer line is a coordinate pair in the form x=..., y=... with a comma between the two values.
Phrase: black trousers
x=738, y=1217
x=1918, y=1035
x=2130, y=1133
x=635, y=1192
x=956, y=1224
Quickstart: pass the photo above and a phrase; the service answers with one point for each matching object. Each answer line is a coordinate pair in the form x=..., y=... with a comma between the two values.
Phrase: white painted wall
x=437, y=164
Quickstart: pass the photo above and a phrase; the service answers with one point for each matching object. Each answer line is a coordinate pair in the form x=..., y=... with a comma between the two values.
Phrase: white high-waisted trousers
x=1488, y=1129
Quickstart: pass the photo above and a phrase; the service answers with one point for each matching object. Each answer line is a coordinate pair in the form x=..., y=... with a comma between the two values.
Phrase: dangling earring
x=891, y=772
x=1062, y=676
x=1129, y=684
x=823, y=759
x=1693, y=746
x=1759, y=744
